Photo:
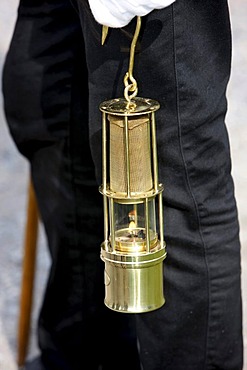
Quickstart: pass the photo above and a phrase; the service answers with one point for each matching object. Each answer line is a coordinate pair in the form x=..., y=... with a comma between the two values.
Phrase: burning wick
x=132, y=219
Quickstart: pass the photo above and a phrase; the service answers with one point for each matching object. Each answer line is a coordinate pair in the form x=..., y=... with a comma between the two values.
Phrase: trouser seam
x=188, y=182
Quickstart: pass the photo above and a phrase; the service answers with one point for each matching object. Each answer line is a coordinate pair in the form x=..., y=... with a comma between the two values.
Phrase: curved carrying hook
x=132, y=86
x=129, y=81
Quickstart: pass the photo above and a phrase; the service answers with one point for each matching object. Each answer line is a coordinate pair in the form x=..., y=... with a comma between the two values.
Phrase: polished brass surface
x=120, y=106
x=129, y=80
x=161, y=224
x=135, y=196
x=131, y=240
x=134, y=283
x=105, y=30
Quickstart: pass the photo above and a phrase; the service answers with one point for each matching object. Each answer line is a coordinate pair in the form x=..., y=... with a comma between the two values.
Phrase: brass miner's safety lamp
x=132, y=252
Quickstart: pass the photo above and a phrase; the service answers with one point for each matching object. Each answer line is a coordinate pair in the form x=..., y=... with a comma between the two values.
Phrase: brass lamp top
x=122, y=107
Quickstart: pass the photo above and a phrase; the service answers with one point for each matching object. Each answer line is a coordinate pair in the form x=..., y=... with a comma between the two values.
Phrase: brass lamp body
x=132, y=251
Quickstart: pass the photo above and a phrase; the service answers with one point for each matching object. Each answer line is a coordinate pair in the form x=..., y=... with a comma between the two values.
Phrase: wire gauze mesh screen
x=139, y=154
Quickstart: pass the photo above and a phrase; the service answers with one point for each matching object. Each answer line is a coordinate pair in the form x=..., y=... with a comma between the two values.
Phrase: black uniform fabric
x=55, y=76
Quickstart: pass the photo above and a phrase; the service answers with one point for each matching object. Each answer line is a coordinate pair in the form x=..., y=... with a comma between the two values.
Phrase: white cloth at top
x=118, y=13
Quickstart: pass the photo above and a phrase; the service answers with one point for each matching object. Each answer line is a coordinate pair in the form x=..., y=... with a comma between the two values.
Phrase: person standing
x=56, y=74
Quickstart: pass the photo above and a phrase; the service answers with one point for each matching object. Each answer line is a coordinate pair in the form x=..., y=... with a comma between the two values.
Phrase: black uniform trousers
x=55, y=76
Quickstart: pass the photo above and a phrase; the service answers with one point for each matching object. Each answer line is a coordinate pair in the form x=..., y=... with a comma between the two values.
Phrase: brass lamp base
x=134, y=283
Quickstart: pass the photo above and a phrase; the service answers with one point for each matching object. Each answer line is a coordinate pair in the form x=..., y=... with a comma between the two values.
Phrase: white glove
x=118, y=13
